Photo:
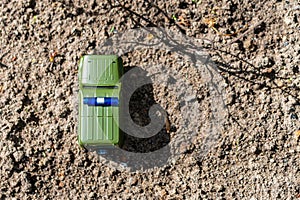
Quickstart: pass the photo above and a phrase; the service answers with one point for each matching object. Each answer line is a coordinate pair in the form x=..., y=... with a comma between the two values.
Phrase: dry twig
x=243, y=34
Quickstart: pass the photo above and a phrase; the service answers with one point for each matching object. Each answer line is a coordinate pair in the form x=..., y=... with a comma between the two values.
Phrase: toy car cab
x=99, y=102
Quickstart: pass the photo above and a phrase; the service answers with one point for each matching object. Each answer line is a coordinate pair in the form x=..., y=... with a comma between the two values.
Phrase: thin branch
x=243, y=34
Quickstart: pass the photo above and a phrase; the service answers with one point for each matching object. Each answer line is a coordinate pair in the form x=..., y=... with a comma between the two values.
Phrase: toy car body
x=99, y=102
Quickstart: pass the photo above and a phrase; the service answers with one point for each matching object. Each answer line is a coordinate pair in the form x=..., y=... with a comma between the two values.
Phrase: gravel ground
x=255, y=46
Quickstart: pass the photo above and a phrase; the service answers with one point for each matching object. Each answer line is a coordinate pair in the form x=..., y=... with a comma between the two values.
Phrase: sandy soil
x=255, y=46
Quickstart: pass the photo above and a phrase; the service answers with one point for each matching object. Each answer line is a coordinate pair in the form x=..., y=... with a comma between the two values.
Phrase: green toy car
x=99, y=102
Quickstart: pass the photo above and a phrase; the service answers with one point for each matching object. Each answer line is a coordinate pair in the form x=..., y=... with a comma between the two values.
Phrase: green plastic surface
x=99, y=76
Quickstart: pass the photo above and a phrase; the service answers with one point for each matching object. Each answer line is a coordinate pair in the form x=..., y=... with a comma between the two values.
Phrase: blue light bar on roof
x=101, y=101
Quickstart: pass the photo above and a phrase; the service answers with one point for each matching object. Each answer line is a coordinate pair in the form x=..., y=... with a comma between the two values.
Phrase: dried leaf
x=297, y=133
